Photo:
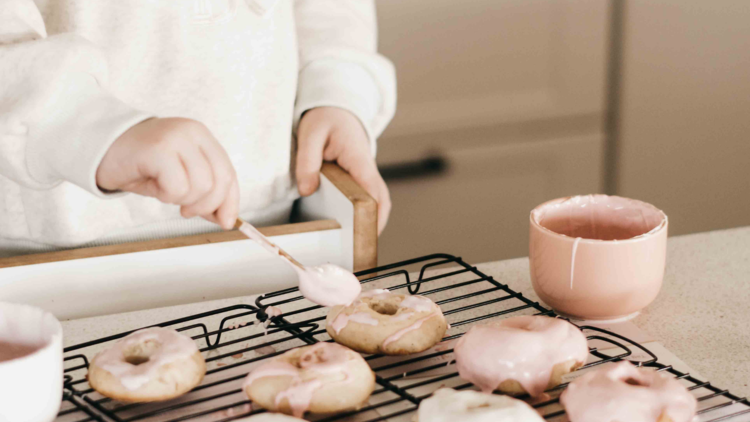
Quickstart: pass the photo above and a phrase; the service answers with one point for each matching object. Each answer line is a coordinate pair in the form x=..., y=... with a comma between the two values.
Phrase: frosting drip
x=342, y=320
x=523, y=348
x=273, y=312
x=400, y=333
x=573, y=261
x=319, y=359
x=600, y=217
x=622, y=392
x=151, y=347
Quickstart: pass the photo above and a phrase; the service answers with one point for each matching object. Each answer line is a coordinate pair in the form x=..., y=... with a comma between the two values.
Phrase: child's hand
x=334, y=134
x=177, y=161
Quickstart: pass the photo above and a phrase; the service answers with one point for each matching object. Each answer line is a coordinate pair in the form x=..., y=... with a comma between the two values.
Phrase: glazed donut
x=321, y=378
x=524, y=354
x=152, y=364
x=622, y=392
x=380, y=321
x=270, y=417
x=448, y=405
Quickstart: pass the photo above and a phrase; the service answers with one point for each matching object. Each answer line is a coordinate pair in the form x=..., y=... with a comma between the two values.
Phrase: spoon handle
x=250, y=231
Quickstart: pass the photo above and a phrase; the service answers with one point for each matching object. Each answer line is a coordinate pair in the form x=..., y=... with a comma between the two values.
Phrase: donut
x=321, y=378
x=621, y=392
x=524, y=354
x=380, y=321
x=152, y=364
x=270, y=417
x=448, y=405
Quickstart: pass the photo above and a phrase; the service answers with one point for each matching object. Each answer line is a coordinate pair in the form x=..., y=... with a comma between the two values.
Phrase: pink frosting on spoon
x=320, y=358
x=328, y=285
x=622, y=392
x=523, y=348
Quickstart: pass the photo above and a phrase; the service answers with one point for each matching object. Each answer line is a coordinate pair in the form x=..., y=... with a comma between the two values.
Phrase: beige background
x=515, y=95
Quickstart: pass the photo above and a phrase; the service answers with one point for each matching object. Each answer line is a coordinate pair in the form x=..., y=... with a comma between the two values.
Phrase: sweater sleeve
x=57, y=119
x=339, y=63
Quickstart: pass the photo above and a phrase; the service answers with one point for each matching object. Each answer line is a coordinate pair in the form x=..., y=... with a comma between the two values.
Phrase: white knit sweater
x=75, y=74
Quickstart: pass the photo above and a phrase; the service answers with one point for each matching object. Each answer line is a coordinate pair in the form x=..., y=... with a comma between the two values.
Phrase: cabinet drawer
x=479, y=206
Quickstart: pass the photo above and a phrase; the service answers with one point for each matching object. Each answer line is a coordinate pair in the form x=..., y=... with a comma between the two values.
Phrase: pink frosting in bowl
x=597, y=256
x=599, y=218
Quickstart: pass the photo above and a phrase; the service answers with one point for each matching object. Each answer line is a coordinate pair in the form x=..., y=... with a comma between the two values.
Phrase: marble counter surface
x=701, y=314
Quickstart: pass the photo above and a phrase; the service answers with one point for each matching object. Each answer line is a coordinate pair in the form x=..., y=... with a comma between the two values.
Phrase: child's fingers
x=199, y=173
x=365, y=173
x=209, y=203
x=221, y=166
x=171, y=180
x=223, y=175
x=312, y=140
x=228, y=211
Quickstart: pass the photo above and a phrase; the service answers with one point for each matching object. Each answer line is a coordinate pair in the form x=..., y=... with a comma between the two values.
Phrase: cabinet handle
x=433, y=165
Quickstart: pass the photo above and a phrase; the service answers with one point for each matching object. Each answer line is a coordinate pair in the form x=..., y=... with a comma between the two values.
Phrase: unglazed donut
x=380, y=321
x=524, y=354
x=152, y=364
x=622, y=392
x=322, y=378
x=448, y=405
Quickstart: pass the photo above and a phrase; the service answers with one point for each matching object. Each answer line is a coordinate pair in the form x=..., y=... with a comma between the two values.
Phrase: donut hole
x=308, y=359
x=140, y=353
x=137, y=360
x=635, y=382
x=384, y=308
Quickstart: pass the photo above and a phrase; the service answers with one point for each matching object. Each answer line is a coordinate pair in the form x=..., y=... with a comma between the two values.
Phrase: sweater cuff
x=72, y=142
x=334, y=83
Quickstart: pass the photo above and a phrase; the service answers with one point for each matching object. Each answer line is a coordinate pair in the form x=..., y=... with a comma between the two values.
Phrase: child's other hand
x=334, y=134
x=177, y=161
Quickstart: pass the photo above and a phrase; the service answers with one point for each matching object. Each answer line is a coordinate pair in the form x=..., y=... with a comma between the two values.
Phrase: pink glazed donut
x=524, y=354
x=622, y=392
x=321, y=378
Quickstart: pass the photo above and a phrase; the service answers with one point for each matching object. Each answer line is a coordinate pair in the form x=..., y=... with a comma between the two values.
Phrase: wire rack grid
x=245, y=337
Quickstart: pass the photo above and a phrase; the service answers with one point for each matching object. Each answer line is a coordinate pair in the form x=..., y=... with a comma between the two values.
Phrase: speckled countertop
x=701, y=314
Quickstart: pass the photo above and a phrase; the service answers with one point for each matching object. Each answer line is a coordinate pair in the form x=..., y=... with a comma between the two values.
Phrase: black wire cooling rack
x=244, y=337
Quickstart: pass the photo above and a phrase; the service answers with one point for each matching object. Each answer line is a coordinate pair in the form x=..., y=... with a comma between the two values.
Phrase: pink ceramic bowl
x=597, y=256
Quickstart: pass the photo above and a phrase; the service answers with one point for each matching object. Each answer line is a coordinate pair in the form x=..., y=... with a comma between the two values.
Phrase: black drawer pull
x=425, y=167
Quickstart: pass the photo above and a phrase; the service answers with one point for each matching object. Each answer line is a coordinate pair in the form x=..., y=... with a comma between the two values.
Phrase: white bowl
x=30, y=385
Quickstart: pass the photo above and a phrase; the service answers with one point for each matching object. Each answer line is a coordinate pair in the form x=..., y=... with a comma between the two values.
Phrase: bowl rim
x=50, y=342
x=640, y=238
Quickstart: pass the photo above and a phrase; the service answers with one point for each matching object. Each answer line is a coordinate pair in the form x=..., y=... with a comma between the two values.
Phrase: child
x=117, y=117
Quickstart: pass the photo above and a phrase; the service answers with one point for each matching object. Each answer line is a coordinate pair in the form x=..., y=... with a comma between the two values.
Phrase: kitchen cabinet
x=479, y=208
x=684, y=113
x=511, y=95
